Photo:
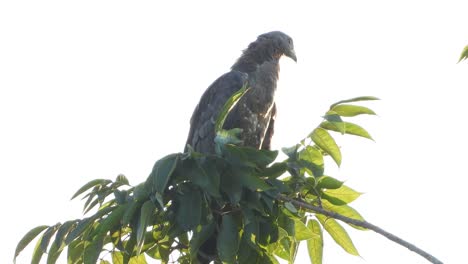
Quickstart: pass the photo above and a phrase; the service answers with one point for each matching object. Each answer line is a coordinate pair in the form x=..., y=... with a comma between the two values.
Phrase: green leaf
x=28, y=238
x=37, y=252
x=203, y=172
x=121, y=179
x=338, y=233
x=46, y=237
x=93, y=250
x=302, y=232
x=344, y=193
x=146, y=215
x=62, y=231
x=335, y=119
x=230, y=103
x=326, y=142
x=344, y=210
x=275, y=170
x=313, y=160
x=315, y=244
x=464, y=54
x=84, y=224
x=200, y=235
x=129, y=214
x=162, y=172
x=290, y=207
x=228, y=239
x=89, y=185
x=291, y=151
x=351, y=129
x=328, y=182
x=231, y=185
x=75, y=252
x=356, y=99
x=189, y=207
x=351, y=110
x=54, y=253
x=113, y=219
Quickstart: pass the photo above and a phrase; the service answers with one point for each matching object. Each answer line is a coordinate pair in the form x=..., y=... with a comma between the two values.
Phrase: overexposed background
x=91, y=89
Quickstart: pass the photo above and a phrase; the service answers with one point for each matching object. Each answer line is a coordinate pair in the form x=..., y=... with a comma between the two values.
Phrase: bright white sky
x=91, y=89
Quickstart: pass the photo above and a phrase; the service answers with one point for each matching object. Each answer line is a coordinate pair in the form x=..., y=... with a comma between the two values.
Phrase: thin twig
x=364, y=224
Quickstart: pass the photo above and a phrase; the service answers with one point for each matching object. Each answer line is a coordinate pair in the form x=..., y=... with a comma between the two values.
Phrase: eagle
x=258, y=68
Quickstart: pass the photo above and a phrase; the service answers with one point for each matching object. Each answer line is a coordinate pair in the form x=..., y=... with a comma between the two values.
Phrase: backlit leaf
x=344, y=193
x=351, y=110
x=356, y=99
x=302, y=232
x=351, y=129
x=230, y=103
x=328, y=182
x=326, y=142
x=89, y=185
x=338, y=233
x=47, y=236
x=464, y=54
x=315, y=244
x=335, y=119
x=93, y=250
x=28, y=238
x=344, y=210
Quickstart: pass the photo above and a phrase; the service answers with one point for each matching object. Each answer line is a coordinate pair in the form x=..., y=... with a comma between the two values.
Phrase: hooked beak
x=291, y=54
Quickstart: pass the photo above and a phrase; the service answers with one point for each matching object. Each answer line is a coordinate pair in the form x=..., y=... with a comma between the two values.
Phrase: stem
x=364, y=224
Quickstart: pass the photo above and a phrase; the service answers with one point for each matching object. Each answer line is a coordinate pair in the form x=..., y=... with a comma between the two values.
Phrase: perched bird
x=258, y=67
x=254, y=113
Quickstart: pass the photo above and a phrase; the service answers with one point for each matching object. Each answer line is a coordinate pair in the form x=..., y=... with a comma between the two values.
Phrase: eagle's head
x=281, y=44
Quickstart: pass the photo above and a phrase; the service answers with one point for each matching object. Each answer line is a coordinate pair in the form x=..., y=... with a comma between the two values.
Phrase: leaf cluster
x=191, y=197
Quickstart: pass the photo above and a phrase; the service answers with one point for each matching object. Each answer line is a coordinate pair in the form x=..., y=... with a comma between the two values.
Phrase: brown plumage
x=255, y=111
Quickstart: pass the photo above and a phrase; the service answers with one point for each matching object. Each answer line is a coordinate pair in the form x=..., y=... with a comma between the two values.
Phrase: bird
x=257, y=68
x=255, y=113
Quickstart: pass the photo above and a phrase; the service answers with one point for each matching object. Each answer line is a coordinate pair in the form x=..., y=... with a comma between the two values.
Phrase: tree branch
x=364, y=224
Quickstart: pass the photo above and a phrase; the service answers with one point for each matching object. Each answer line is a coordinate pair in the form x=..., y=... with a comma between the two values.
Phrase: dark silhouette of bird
x=258, y=68
x=254, y=113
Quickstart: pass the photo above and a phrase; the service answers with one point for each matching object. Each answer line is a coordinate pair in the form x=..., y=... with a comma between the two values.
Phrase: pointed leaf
x=338, y=233
x=93, y=250
x=89, y=185
x=162, y=172
x=230, y=103
x=37, y=252
x=356, y=99
x=228, y=239
x=75, y=252
x=351, y=129
x=28, y=238
x=335, y=119
x=46, y=237
x=302, y=232
x=344, y=193
x=84, y=223
x=344, y=210
x=54, y=253
x=315, y=244
x=328, y=182
x=464, y=54
x=146, y=215
x=351, y=110
x=113, y=219
x=63, y=231
x=326, y=142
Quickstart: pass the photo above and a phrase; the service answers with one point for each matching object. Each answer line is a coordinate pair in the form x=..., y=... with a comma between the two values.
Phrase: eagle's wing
x=202, y=134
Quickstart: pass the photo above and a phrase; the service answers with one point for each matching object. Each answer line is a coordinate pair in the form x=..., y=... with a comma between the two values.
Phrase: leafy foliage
x=191, y=196
x=464, y=54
